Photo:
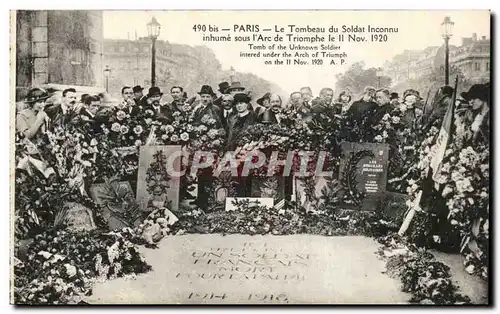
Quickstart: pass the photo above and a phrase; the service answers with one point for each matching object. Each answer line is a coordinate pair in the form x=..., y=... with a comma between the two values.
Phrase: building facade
x=472, y=58
x=130, y=64
x=58, y=47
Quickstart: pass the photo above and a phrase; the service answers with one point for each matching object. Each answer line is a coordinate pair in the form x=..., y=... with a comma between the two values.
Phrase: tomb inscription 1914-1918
x=363, y=173
x=242, y=269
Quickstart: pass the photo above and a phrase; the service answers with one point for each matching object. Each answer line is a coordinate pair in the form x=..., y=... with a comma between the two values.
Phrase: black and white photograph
x=277, y=157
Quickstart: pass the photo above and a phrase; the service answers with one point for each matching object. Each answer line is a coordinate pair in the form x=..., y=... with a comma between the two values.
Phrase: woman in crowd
x=343, y=103
x=240, y=121
x=33, y=120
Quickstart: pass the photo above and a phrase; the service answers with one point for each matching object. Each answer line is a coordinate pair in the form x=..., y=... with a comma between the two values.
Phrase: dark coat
x=237, y=125
x=164, y=114
x=212, y=111
x=134, y=111
x=376, y=114
x=360, y=109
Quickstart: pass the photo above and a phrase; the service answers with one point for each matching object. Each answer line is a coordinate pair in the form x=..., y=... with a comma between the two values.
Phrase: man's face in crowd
x=155, y=100
x=226, y=103
x=206, y=99
x=241, y=107
x=382, y=98
x=306, y=95
x=127, y=94
x=275, y=103
x=176, y=94
x=94, y=106
x=295, y=99
x=138, y=95
x=327, y=96
x=70, y=99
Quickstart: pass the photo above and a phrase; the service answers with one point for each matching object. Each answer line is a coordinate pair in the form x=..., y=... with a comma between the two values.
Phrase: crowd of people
x=234, y=110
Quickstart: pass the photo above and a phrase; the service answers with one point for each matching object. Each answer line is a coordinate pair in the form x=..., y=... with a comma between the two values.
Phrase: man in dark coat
x=139, y=98
x=128, y=104
x=206, y=108
x=227, y=110
x=223, y=91
x=63, y=112
x=360, y=108
x=383, y=97
x=323, y=105
x=177, y=93
x=153, y=103
x=271, y=114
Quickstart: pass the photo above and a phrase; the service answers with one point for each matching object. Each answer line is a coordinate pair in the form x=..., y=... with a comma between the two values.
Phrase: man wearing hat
x=139, y=97
x=394, y=99
x=223, y=91
x=207, y=108
x=227, y=110
x=33, y=119
x=271, y=114
x=153, y=99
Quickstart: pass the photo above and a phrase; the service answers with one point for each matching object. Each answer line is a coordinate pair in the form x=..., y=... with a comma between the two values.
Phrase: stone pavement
x=243, y=269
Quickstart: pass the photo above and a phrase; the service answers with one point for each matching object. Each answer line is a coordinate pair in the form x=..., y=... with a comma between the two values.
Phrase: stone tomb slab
x=242, y=269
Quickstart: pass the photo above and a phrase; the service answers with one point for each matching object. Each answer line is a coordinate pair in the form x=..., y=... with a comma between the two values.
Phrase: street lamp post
x=153, y=32
x=380, y=72
x=447, y=32
x=107, y=73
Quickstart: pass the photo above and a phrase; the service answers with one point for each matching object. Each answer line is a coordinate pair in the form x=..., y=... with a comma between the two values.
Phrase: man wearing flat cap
x=206, y=108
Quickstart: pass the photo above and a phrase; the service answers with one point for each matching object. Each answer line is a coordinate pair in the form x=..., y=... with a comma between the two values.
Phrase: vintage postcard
x=250, y=157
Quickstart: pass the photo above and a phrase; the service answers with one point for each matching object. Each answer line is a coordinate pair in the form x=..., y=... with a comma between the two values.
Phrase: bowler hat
x=206, y=89
x=137, y=89
x=241, y=97
x=260, y=101
x=479, y=91
x=235, y=85
x=394, y=96
x=154, y=91
x=223, y=87
x=36, y=94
